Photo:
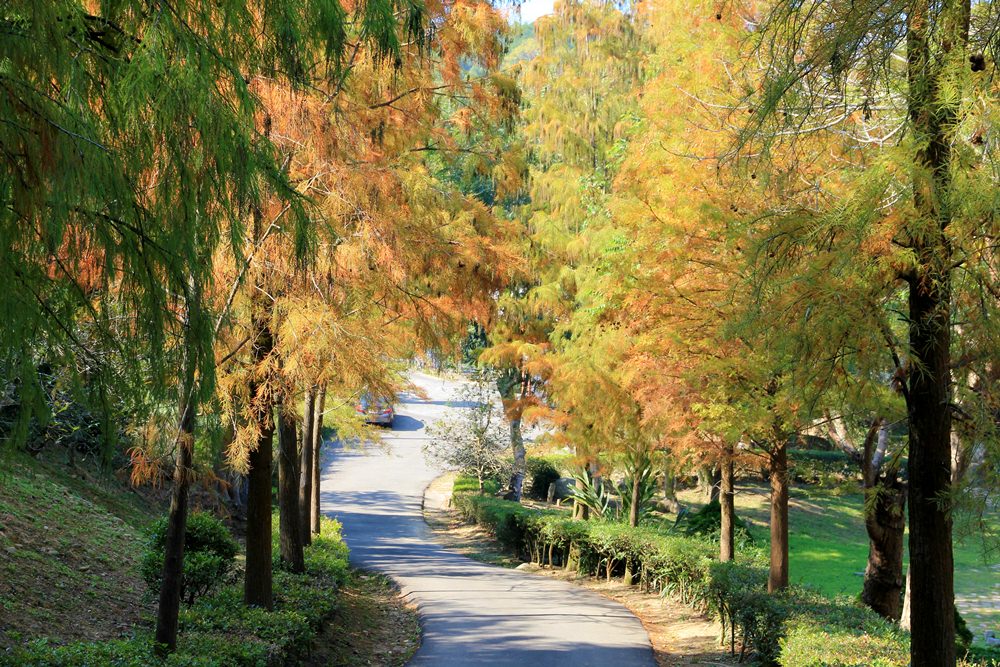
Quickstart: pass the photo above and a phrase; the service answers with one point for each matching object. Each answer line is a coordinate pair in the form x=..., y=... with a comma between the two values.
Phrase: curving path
x=471, y=613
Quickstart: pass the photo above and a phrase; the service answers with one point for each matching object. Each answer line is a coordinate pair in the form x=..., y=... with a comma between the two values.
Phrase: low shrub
x=218, y=630
x=824, y=468
x=209, y=555
x=707, y=523
x=541, y=472
x=987, y=656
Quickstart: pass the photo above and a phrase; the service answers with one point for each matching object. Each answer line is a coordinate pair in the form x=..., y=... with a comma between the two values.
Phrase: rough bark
x=885, y=517
x=777, y=578
x=289, y=524
x=727, y=545
x=173, y=562
x=317, y=446
x=885, y=524
x=305, y=466
x=257, y=585
x=936, y=37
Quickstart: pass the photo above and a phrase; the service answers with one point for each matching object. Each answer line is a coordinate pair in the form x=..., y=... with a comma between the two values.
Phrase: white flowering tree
x=475, y=441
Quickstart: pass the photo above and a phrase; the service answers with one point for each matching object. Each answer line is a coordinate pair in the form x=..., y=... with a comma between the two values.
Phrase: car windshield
x=379, y=403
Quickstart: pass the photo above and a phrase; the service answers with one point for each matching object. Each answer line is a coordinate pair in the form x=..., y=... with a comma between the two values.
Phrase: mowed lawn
x=829, y=547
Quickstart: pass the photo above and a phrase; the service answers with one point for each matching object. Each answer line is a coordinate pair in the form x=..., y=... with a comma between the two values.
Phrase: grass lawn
x=828, y=548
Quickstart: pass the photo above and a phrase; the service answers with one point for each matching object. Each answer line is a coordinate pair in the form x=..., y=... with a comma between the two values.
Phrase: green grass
x=828, y=548
x=466, y=484
x=69, y=542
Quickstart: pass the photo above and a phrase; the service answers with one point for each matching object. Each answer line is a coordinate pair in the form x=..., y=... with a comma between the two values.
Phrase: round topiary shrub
x=209, y=554
x=541, y=473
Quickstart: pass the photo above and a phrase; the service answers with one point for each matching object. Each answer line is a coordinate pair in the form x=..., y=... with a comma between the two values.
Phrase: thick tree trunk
x=520, y=460
x=317, y=436
x=289, y=520
x=777, y=578
x=727, y=544
x=705, y=474
x=173, y=562
x=886, y=523
x=257, y=585
x=931, y=560
x=305, y=465
x=937, y=34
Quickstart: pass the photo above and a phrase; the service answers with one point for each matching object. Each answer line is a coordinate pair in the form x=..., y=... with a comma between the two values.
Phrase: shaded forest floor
x=373, y=626
x=679, y=635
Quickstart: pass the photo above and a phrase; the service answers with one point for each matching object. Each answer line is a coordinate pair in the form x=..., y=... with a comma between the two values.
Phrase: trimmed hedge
x=218, y=630
x=796, y=628
x=668, y=564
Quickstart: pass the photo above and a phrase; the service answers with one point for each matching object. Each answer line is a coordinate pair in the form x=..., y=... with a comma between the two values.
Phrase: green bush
x=541, y=473
x=987, y=656
x=825, y=468
x=209, y=555
x=707, y=522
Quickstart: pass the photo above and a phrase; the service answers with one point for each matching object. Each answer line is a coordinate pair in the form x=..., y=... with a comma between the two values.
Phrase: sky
x=532, y=9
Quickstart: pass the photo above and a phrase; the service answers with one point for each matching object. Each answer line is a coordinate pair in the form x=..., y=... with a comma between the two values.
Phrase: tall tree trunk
x=305, y=467
x=520, y=459
x=777, y=578
x=633, y=511
x=289, y=520
x=513, y=386
x=257, y=588
x=937, y=34
x=173, y=561
x=670, y=486
x=727, y=544
x=317, y=436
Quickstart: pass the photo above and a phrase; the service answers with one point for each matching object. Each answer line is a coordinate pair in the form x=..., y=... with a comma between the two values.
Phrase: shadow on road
x=406, y=423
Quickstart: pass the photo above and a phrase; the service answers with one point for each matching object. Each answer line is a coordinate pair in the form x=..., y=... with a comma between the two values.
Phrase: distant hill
x=523, y=45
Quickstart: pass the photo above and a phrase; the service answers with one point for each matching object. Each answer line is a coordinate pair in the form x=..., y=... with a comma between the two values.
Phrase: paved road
x=471, y=613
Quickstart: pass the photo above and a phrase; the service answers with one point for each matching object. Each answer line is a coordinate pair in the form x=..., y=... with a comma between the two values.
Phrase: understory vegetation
x=215, y=628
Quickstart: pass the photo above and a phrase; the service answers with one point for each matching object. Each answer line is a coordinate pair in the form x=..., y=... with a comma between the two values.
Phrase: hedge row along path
x=471, y=613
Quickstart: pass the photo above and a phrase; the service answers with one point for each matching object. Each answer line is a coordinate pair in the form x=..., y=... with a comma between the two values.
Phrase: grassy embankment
x=71, y=593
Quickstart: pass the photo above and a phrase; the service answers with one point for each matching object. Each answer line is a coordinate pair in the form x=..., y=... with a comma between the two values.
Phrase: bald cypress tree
x=129, y=154
x=903, y=86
